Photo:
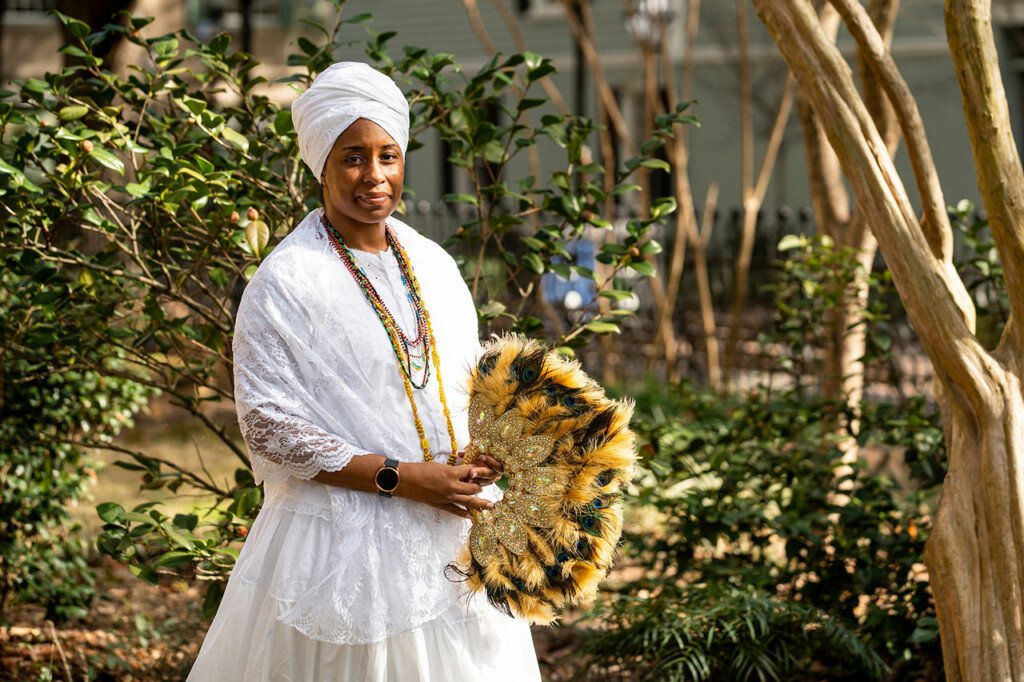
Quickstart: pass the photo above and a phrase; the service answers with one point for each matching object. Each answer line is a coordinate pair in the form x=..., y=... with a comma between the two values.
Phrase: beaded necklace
x=400, y=343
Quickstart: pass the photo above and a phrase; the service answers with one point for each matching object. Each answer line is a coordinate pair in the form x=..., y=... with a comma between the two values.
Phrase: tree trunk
x=975, y=553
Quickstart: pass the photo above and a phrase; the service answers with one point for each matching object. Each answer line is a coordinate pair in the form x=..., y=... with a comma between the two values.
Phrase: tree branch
x=874, y=52
x=996, y=160
x=935, y=298
x=604, y=90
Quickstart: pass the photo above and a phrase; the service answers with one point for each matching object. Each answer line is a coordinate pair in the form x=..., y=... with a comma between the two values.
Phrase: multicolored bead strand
x=400, y=343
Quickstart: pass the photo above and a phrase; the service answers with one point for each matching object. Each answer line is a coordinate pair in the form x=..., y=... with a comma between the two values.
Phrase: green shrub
x=722, y=632
x=748, y=496
x=758, y=522
x=50, y=397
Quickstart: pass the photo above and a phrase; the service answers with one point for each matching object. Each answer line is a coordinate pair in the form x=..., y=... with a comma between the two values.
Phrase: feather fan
x=567, y=451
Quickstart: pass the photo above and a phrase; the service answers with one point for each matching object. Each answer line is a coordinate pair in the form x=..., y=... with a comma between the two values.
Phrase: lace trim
x=293, y=444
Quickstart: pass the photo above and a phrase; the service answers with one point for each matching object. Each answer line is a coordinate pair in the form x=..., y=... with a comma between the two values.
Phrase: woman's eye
x=353, y=159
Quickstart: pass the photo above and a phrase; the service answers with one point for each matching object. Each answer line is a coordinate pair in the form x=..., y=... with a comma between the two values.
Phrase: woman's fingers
x=482, y=472
x=453, y=509
x=466, y=488
x=472, y=502
x=491, y=463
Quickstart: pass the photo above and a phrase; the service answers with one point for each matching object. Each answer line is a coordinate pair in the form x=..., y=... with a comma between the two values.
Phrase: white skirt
x=248, y=642
x=491, y=647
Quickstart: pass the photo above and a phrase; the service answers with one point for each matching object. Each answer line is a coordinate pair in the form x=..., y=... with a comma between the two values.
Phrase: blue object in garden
x=576, y=291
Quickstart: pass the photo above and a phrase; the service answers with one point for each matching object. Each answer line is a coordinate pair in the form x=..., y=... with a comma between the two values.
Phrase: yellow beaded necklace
x=395, y=334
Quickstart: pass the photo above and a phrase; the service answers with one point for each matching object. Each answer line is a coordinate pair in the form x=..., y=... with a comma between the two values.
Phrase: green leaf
x=561, y=269
x=36, y=85
x=657, y=164
x=533, y=262
x=75, y=27
x=166, y=47
x=204, y=165
x=650, y=247
x=188, y=521
x=111, y=512
x=219, y=43
x=663, y=207
x=494, y=152
x=11, y=170
x=145, y=572
x=545, y=69
x=602, y=327
x=73, y=112
x=173, y=559
x=235, y=139
x=491, y=309
x=617, y=294
x=257, y=234
x=212, y=600
x=283, y=123
x=459, y=199
x=136, y=190
x=525, y=104
x=645, y=268
x=533, y=60
x=625, y=187
x=105, y=158
x=792, y=241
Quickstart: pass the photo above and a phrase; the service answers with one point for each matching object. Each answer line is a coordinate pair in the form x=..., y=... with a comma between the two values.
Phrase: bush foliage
x=50, y=398
x=776, y=556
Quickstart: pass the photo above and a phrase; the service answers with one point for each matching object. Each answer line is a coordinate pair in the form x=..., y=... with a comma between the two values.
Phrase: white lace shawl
x=316, y=382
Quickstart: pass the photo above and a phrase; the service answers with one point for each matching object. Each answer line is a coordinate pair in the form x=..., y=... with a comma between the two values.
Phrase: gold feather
x=567, y=451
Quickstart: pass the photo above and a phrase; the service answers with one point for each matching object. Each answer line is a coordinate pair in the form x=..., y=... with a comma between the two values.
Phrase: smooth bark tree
x=836, y=216
x=975, y=553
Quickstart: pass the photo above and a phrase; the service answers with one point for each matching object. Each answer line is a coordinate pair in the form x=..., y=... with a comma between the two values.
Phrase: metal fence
x=907, y=372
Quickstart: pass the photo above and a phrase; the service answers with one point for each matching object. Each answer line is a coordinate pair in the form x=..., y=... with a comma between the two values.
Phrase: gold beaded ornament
x=567, y=450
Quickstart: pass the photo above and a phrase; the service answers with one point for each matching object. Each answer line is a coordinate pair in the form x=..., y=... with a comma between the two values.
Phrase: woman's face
x=363, y=176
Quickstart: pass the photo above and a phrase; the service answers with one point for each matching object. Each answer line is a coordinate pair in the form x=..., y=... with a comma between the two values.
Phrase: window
x=31, y=6
x=228, y=13
x=540, y=9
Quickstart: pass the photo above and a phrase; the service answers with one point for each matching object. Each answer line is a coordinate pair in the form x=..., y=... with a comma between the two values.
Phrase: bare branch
x=1000, y=178
x=604, y=90
x=874, y=51
x=479, y=30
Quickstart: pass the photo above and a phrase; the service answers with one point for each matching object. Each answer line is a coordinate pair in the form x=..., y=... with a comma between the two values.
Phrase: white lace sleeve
x=291, y=444
x=288, y=427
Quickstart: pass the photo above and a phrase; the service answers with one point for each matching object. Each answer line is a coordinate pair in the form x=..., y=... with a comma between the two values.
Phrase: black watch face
x=387, y=479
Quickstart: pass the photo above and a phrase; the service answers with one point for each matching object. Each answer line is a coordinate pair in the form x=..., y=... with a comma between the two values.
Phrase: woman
x=351, y=345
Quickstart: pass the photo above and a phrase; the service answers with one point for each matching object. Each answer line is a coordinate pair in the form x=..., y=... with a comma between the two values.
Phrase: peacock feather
x=567, y=451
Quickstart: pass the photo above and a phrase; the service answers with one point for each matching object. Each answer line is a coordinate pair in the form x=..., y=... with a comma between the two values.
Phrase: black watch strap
x=387, y=477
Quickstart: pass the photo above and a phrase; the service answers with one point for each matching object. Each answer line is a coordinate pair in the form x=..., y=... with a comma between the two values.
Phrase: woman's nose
x=374, y=172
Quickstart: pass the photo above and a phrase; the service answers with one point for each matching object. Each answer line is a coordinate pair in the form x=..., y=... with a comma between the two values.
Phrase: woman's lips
x=374, y=199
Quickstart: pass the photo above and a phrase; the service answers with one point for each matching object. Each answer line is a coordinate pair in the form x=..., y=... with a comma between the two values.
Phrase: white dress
x=334, y=584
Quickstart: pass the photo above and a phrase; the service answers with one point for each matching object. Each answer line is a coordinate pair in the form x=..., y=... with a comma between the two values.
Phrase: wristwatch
x=387, y=477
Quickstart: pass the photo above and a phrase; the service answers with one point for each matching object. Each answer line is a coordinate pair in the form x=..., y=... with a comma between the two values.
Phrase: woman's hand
x=451, y=488
x=496, y=469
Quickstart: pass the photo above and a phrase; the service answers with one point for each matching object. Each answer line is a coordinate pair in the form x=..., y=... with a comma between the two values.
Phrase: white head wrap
x=342, y=94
